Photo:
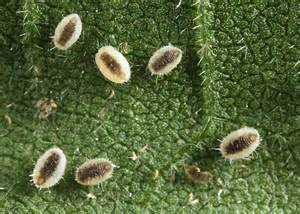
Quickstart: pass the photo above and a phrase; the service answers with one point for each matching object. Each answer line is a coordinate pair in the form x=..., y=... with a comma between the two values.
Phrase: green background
x=239, y=68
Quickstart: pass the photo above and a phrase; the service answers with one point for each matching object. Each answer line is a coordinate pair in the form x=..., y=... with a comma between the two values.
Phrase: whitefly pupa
x=94, y=172
x=113, y=65
x=67, y=31
x=164, y=60
x=49, y=168
x=240, y=143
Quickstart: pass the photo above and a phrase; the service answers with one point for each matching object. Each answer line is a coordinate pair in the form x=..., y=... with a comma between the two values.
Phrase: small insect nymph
x=194, y=174
x=49, y=168
x=113, y=65
x=94, y=172
x=240, y=143
x=164, y=60
x=67, y=31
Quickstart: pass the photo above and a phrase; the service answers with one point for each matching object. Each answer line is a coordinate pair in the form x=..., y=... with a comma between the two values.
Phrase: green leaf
x=240, y=67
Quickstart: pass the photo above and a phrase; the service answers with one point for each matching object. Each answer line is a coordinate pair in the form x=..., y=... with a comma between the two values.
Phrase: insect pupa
x=240, y=143
x=67, y=31
x=113, y=65
x=49, y=168
x=94, y=172
x=194, y=173
x=164, y=60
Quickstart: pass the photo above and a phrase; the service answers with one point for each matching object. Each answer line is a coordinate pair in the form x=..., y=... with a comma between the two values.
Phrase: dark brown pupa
x=194, y=173
x=67, y=31
x=164, y=60
x=94, y=172
x=49, y=168
x=240, y=144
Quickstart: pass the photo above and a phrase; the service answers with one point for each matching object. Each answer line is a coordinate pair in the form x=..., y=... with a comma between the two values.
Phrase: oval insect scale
x=67, y=31
x=113, y=65
x=164, y=60
x=240, y=143
x=94, y=172
x=49, y=168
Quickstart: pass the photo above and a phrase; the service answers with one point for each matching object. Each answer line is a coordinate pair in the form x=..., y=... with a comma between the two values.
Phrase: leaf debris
x=140, y=151
x=191, y=199
x=196, y=175
x=91, y=196
x=8, y=119
x=111, y=95
x=179, y=4
x=156, y=174
x=220, y=183
x=133, y=156
x=219, y=194
x=143, y=149
x=45, y=107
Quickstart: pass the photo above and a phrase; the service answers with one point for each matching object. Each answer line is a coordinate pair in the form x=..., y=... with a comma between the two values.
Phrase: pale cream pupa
x=94, y=172
x=164, y=60
x=49, y=168
x=113, y=65
x=240, y=144
x=67, y=31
